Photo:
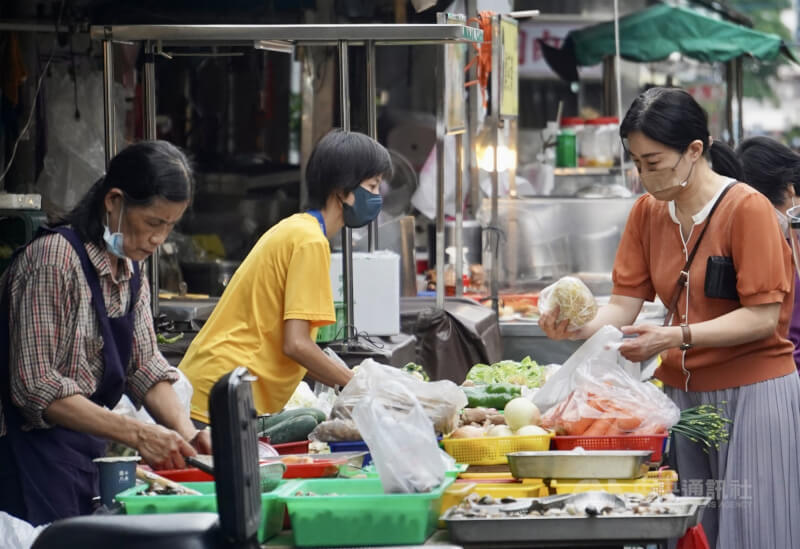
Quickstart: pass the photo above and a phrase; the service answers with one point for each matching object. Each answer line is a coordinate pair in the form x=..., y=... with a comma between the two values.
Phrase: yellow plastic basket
x=458, y=491
x=512, y=490
x=493, y=450
x=667, y=479
x=643, y=486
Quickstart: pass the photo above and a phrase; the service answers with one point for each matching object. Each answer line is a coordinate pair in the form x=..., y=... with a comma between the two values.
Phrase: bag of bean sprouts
x=573, y=299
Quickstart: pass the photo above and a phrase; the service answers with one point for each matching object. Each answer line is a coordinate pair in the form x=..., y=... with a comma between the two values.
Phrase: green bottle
x=566, y=149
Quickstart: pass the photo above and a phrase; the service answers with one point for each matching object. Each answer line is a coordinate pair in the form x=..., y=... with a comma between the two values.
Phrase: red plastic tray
x=653, y=443
x=186, y=475
x=318, y=469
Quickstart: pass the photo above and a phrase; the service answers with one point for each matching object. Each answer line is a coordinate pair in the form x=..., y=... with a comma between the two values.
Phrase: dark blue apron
x=48, y=474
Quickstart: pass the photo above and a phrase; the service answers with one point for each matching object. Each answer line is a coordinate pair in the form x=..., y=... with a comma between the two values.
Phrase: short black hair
x=341, y=160
x=672, y=117
x=143, y=172
x=769, y=167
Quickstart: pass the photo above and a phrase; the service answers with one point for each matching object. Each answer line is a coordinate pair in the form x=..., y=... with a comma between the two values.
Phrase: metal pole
x=739, y=97
x=473, y=115
x=440, y=173
x=347, y=232
x=108, y=99
x=372, y=125
x=730, y=69
x=150, y=134
x=494, y=124
x=459, y=237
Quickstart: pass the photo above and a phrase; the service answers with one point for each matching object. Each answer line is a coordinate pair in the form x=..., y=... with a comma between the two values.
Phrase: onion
x=531, y=430
x=521, y=412
x=467, y=431
x=500, y=431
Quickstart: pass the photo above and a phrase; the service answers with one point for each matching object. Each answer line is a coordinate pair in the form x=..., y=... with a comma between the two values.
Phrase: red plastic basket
x=291, y=447
x=653, y=443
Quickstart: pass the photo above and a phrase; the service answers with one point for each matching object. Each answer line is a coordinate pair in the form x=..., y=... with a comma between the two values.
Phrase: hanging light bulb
x=484, y=151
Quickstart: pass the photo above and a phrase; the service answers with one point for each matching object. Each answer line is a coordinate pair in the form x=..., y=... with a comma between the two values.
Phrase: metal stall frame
x=443, y=128
x=495, y=120
x=282, y=38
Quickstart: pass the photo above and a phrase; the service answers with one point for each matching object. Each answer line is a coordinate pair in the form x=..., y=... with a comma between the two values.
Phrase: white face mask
x=114, y=241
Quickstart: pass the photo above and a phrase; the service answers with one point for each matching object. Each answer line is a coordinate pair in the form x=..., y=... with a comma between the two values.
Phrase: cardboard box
x=376, y=291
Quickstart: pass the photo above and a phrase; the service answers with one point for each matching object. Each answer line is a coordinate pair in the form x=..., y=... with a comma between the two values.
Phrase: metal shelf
x=586, y=171
x=380, y=34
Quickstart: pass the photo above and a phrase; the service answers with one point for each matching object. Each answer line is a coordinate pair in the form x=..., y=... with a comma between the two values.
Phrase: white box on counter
x=376, y=291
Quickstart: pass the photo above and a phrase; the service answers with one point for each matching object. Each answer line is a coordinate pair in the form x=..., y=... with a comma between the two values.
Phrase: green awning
x=654, y=33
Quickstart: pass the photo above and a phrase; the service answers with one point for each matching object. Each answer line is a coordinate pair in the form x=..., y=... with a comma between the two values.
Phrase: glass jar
x=602, y=143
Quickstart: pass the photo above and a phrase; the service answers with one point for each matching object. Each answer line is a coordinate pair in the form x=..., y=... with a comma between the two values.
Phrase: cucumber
x=267, y=422
x=293, y=429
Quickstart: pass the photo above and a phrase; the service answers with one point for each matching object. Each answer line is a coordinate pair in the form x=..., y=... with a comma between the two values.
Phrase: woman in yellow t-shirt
x=269, y=314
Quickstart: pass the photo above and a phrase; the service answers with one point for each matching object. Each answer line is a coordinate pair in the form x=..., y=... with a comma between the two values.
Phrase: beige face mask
x=658, y=181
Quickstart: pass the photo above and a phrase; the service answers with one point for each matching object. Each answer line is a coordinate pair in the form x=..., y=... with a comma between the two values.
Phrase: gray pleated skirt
x=755, y=478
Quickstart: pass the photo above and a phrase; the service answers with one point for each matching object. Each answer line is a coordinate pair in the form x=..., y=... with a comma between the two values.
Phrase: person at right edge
x=773, y=169
x=726, y=343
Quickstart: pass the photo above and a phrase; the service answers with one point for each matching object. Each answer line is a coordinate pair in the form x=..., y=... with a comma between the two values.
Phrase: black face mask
x=366, y=207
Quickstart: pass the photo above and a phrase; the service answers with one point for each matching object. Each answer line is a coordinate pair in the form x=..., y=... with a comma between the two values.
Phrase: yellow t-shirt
x=285, y=276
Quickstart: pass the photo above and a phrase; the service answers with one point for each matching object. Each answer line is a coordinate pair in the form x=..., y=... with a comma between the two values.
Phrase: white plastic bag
x=607, y=401
x=441, y=400
x=16, y=533
x=574, y=299
x=561, y=383
x=183, y=388
x=401, y=440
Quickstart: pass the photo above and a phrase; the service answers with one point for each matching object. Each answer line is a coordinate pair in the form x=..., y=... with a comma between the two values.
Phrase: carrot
x=598, y=428
x=615, y=430
x=629, y=423
x=578, y=427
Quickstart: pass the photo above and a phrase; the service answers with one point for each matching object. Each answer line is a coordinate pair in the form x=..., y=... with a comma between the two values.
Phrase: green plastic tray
x=136, y=503
x=371, y=472
x=353, y=512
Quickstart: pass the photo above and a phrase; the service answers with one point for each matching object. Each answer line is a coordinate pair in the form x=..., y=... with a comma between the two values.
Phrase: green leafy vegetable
x=527, y=372
x=163, y=340
x=416, y=370
x=705, y=425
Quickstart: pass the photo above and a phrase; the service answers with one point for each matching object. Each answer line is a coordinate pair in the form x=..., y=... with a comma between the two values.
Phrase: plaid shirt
x=56, y=346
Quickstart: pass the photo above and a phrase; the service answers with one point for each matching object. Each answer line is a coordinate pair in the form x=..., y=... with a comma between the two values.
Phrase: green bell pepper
x=495, y=396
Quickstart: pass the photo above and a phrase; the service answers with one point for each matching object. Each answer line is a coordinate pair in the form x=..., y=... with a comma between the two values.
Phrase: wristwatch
x=687, y=338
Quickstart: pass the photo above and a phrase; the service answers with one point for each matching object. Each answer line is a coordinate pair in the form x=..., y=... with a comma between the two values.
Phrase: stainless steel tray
x=590, y=464
x=543, y=530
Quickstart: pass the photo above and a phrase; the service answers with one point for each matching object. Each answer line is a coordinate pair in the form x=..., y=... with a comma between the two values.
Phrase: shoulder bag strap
x=683, y=278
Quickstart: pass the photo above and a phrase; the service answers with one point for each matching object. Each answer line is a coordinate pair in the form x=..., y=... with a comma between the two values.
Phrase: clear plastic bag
x=402, y=441
x=561, y=383
x=604, y=400
x=574, y=300
x=441, y=400
x=335, y=430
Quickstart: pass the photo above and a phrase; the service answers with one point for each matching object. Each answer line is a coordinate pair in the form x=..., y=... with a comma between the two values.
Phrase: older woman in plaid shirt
x=76, y=333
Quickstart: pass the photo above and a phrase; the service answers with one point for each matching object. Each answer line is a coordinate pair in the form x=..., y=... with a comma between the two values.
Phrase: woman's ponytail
x=724, y=161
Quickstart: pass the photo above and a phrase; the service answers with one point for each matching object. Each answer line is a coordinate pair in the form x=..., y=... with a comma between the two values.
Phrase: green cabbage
x=527, y=372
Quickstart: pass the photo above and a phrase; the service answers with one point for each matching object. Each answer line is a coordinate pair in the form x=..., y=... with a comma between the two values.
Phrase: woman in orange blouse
x=727, y=344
